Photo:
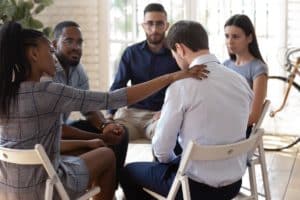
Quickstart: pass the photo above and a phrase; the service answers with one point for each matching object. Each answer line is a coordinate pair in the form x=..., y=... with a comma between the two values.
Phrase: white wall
x=92, y=17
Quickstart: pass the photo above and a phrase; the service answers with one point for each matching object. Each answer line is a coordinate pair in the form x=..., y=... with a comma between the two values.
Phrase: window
x=127, y=15
x=275, y=21
x=264, y=15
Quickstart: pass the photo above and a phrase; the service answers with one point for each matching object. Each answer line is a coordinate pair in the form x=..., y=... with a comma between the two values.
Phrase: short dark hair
x=60, y=26
x=243, y=22
x=190, y=33
x=154, y=7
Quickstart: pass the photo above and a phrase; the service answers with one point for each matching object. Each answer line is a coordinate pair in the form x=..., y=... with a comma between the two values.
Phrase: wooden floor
x=283, y=167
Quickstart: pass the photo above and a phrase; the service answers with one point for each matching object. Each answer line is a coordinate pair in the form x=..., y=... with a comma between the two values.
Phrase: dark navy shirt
x=138, y=64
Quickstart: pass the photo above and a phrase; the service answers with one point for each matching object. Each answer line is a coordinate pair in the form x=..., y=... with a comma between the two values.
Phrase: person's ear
x=144, y=27
x=250, y=38
x=167, y=25
x=32, y=54
x=180, y=50
x=54, y=43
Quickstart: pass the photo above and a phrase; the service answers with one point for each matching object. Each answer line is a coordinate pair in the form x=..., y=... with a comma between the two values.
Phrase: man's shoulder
x=137, y=45
x=186, y=83
x=134, y=49
x=78, y=70
x=80, y=67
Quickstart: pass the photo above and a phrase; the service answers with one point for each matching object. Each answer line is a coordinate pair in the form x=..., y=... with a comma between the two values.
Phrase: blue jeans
x=159, y=177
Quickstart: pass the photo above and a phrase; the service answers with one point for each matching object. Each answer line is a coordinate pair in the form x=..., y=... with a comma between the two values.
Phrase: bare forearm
x=260, y=92
x=140, y=91
x=143, y=90
x=72, y=145
x=69, y=132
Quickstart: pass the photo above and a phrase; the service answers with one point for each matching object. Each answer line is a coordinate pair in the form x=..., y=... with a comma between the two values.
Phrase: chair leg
x=252, y=178
x=154, y=194
x=174, y=188
x=185, y=188
x=49, y=190
x=264, y=172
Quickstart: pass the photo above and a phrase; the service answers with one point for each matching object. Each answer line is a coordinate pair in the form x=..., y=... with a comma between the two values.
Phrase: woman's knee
x=106, y=154
x=99, y=159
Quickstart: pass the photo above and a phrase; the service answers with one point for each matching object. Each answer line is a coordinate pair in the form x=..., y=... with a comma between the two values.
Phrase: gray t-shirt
x=249, y=71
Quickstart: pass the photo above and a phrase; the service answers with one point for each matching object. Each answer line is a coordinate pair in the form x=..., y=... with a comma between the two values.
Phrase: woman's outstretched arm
x=141, y=91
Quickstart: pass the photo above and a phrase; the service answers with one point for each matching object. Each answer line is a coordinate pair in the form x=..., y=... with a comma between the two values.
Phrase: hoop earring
x=17, y=67
x=13, y=75
x=13, y=78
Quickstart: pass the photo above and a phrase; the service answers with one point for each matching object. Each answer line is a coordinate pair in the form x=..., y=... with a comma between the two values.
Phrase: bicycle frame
x=291, y=82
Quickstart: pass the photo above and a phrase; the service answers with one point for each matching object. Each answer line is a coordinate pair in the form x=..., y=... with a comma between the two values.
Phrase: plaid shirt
x=35, y=118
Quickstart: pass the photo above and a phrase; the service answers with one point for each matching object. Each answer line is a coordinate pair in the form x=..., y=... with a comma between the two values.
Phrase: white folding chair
x=259, y=158
x=262, y=115
x=205, y=153
x=38, y=156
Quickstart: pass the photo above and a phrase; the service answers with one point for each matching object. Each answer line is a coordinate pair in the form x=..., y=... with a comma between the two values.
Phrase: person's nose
x=229, y=40
x=77, y=46
x=153, y=28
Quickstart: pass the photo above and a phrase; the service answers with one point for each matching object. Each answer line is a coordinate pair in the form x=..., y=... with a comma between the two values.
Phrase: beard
x=155, y=38
x=67, y=62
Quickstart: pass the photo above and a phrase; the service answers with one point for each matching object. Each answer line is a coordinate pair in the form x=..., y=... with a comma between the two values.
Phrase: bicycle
x=292, y=66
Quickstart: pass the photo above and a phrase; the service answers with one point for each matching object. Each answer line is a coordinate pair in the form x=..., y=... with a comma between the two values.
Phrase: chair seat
x=38, y=156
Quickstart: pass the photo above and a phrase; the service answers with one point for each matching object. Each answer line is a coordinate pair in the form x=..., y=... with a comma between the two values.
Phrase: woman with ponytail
x=30, y=113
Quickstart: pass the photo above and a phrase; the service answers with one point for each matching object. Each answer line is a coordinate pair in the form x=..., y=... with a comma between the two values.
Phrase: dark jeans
x=159, y=177
x=248, y=131
x=119, y=149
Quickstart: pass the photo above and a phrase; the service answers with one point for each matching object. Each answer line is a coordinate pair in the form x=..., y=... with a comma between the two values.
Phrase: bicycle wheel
x=285, y=79
x=286, y=121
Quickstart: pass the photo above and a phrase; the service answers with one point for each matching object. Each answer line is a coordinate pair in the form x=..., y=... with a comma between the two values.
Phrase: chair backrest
x=210, y=152
x=20, y=156
x=219, y=152
x=36, y=156
x=262, y=115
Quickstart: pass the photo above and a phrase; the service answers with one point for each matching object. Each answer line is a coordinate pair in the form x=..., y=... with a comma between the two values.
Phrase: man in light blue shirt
x=69, y=71
x=213, y=111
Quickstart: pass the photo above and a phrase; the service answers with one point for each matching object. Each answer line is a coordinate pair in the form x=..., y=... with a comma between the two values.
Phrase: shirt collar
x=163, y=50
x=58, y=66
x=143, y=45
x=204, y=59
